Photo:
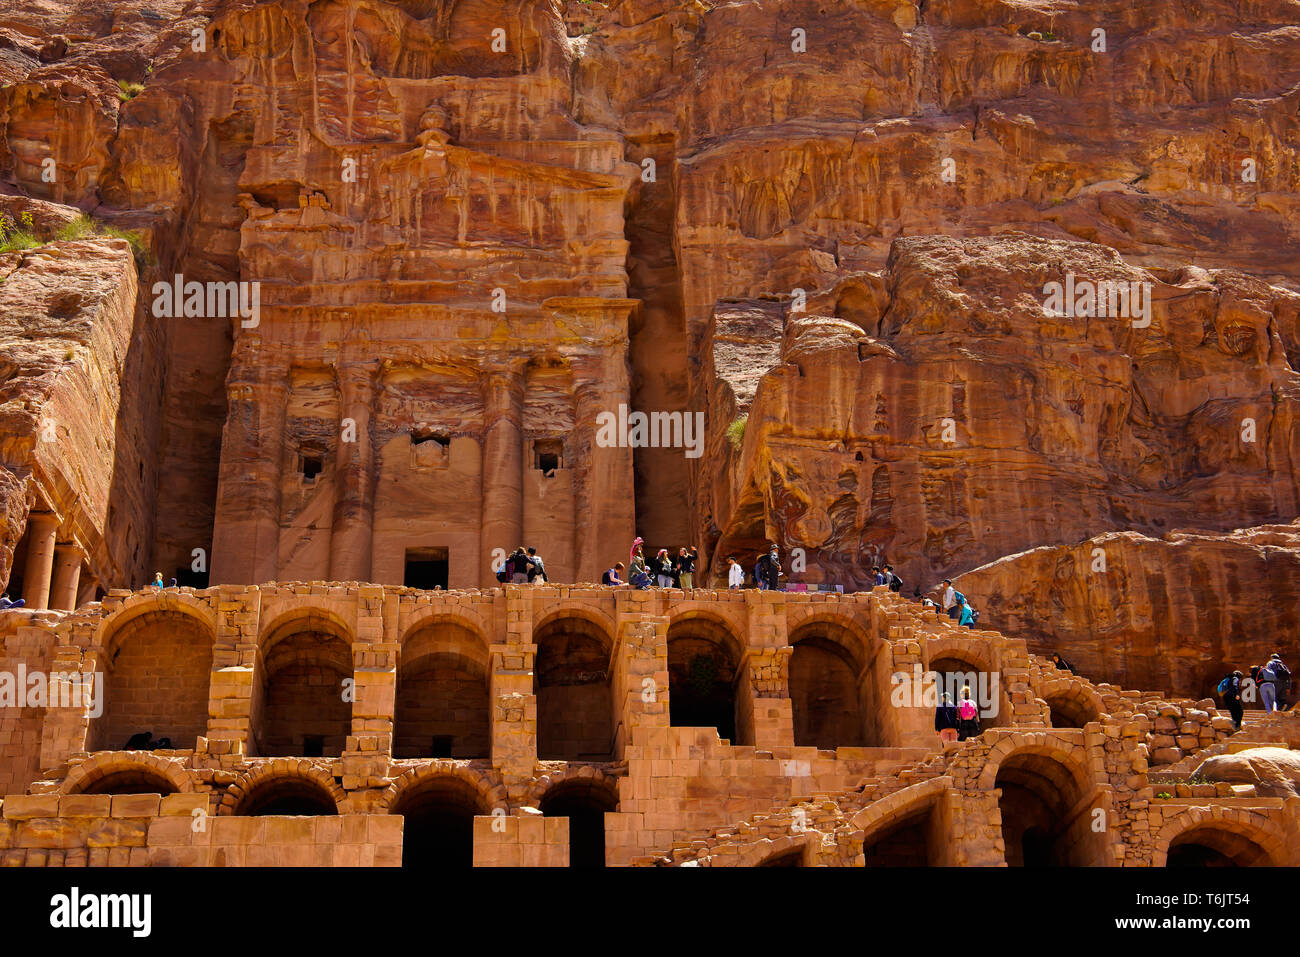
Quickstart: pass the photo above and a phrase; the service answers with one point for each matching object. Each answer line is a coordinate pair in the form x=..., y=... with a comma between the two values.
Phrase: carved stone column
x=354, y=483
x=41, y=530
x=606, y=512
x=503, y=500
x=67, y=576
x=246, y=530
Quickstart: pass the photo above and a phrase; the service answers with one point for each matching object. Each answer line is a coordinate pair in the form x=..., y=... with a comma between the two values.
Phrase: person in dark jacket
x=946, y=719
x=686, y=567
x=771, y=568
x=1061, y=663
x=1231, y=686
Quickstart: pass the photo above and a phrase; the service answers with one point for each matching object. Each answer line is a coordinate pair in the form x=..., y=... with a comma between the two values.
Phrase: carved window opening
x=548, y=456
x=311, y=463
x=427, y=568
x=430, y=449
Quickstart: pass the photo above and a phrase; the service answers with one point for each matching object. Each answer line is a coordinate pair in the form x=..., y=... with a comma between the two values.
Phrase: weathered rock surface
x=1175, y=612
x=1275, y=772
x=935, y=417
x=73, y=380
x=835, y=219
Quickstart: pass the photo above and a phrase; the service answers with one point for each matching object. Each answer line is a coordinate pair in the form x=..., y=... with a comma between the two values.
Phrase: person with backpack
x=519, y=565
x=948, y=600
x=735, y=574
x=965, y=614
x=893, y=581
x=1229, y=690
x=946, y=719
x=768, y=569
x=662, y=567
x=1266, y=680
x=969, y=714
x=1282, y=680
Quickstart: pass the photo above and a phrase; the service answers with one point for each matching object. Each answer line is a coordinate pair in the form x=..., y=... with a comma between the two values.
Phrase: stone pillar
x=512, y=695
x=246, y=530
x=503, y=477
x=354, y=496
x=605, y=516
x=67, y=576
x=763, y=705
x=41, y=530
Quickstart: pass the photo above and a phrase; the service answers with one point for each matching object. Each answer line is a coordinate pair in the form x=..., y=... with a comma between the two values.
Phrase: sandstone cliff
x=1175, y=612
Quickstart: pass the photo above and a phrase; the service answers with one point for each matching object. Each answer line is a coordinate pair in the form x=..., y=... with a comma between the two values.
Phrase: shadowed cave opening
x=585, y=805
x=438, y=832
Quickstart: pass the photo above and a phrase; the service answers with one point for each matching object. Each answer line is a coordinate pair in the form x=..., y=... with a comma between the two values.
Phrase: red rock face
x=1175, y=612
x=476, y=226
x=935, y=417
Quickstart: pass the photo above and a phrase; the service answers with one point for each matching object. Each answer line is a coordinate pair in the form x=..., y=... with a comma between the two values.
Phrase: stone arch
x=279, y=783
x=705, y=658
x=491, y=791
x=1070, y=702
x=138, y=697
x=955, y=659
x=584, y=800
x=572, y=677
x=140, y=603
x=774, y=852
x=832, y=691
x=901, y=829
x=1046, y=800
x=577, y=609
x=113, y=770
x=441, y=707
x=298, y=707
x=1243, y=837
x=438, y=804
x=598, y=779
x=427, y=615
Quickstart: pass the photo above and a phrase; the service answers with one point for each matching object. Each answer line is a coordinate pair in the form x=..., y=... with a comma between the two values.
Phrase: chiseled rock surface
x=1176, y=612
x=67, y=431
x=935, y=417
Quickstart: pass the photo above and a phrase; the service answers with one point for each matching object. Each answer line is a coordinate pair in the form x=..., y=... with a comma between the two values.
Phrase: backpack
x=974, y=615
x=503, y=576
x=895, y=583
x=967, y=709
x=604, y=577
x=1224, y=685
x=760, y=569
x=1282, y=672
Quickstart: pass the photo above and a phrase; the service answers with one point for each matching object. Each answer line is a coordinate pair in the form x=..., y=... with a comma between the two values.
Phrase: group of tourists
x=664, y=570
x=1272, y=680
x=952, y=603
x=523, y=566
x=957, y=722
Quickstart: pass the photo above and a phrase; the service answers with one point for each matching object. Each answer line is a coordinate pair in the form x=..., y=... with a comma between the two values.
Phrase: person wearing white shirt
x=949, y=595
x=736, y=575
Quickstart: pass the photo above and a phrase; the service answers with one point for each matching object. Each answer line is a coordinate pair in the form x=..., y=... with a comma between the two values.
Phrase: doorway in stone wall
x=427, y=568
